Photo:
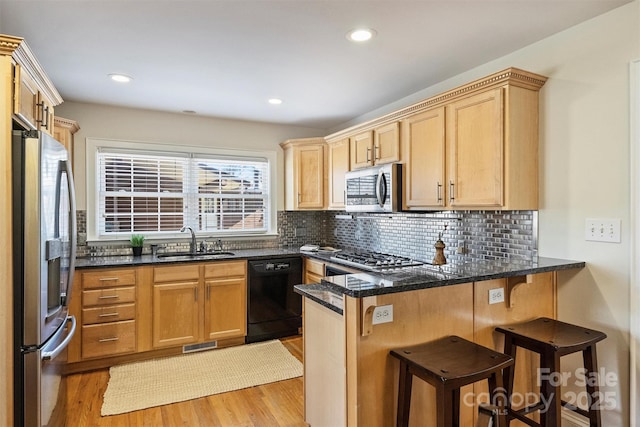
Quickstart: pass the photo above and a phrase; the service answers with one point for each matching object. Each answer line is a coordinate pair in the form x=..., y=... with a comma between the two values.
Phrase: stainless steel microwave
x=374, y=189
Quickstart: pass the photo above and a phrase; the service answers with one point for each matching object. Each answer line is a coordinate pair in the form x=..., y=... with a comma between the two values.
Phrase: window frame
x=93, y=145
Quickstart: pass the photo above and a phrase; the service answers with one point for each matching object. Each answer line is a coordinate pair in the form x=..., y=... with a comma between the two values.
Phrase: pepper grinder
x=440, y=259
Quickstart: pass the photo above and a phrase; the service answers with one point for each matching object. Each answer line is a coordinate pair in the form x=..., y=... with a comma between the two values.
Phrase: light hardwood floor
x=277, y=404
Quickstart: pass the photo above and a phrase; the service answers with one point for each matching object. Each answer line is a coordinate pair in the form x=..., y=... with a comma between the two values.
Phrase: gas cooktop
x=374, y=261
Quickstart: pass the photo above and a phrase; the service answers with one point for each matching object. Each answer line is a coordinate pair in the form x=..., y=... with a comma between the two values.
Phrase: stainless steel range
x=374, y=261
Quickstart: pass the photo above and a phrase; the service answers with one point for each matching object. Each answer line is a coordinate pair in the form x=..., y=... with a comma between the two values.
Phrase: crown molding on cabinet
x=18, y=48
x=512, y=76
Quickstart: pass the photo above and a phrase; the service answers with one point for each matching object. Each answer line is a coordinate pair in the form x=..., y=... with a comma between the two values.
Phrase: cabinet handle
x=451, y=188
x=195, y=293
x=108, y=296
x=376, y=153
x=44, y=112
x=108, y=314
x=108, y=279
x=439, y=191
x=108, y=339
x=208, y=291
x=368, y=151
x=298, y=198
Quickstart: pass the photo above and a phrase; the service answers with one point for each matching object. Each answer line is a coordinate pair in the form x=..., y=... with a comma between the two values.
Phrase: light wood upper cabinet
x=305, y=174
x=25, y=100
x=361, y=150
x=338, y=166
x=475, y=141
x=477, y=152
x=375, y=147
x=386, y=143
x=423, y=140
x=63, y=131
x=30, y=104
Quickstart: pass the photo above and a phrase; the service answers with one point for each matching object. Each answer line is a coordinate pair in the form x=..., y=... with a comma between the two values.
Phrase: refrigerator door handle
x=48, y=355
x=73, y=232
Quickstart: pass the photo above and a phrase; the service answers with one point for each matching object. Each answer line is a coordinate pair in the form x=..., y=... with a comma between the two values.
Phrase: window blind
x=156, y=193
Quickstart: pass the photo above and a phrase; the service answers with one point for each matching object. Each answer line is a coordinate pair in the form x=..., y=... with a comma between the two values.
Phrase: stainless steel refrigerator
x=44, y=247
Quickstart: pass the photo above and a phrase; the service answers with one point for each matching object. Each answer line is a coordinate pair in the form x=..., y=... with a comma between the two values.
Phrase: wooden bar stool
x=448, y=364
x=552, y=339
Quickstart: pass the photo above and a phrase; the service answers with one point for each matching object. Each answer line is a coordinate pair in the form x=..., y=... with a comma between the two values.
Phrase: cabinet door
x=475, y=150
x=310, y=176
x=361, y=147
x=386, y=147
x=175, y=314
x=25, y=102
x=337, y=168
x=226, y=308
x=423, y=142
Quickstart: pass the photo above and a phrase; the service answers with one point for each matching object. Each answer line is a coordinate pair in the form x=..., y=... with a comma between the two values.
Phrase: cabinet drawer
x=225, y=269
x=108, y=296
x=112, y=313
x=101, y=279
x=108, y=339
x=177, y=273
x=315, y=267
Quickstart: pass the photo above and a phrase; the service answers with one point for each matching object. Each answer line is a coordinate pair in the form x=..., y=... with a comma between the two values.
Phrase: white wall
x=584, y=161
x=101, y=121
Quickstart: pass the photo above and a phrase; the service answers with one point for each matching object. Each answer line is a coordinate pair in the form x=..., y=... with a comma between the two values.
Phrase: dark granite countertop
x=422, y=277
x=129, y=260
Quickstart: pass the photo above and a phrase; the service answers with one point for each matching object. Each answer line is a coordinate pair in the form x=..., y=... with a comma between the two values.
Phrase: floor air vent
x=199, y=347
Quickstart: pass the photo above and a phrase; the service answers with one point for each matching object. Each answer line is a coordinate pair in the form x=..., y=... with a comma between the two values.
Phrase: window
x=158, y=192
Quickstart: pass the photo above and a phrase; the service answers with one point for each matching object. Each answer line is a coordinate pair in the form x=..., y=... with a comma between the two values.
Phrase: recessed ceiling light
x=360, y=34
x=275, y=101
x=120, y=78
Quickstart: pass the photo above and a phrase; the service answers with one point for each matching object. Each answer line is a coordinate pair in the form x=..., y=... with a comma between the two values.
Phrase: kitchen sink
x=197, y=255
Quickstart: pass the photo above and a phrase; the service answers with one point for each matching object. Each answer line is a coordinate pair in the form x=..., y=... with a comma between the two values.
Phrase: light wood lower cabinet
x=225, y=313
x=127, y=314
x=324, y=368
x=199, y=302
x=104, y=303
x=358, y=379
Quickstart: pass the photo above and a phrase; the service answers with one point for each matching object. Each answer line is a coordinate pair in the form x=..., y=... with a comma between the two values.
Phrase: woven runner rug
x=158, y=382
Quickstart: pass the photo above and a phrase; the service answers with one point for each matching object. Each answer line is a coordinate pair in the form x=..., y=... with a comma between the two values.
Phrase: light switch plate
x=602, y=230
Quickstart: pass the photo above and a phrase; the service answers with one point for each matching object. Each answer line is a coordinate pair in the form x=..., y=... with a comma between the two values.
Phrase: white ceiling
x=225, y=58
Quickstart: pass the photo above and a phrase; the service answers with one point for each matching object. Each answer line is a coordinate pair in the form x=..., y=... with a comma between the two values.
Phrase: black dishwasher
x=274, y=310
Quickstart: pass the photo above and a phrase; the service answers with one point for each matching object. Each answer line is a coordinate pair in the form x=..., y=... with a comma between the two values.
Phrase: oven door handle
x=381, y=188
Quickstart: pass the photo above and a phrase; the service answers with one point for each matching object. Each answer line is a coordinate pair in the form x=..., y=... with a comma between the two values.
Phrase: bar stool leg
x=550, y=389
x=445, y=398
x=591, y=365
x=455, y=408
x=507, y=376
x=404, y=395
x=499, y=396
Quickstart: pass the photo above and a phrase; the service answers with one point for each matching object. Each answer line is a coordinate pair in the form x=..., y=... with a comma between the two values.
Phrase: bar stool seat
x=448, y=364
x=552, y=339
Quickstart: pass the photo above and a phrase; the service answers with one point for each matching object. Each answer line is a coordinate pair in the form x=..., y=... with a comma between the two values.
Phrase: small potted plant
x=137, y=240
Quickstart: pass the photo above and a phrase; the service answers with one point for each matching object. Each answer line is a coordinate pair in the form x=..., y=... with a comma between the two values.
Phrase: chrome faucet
x=218, y=246
x=192, y=246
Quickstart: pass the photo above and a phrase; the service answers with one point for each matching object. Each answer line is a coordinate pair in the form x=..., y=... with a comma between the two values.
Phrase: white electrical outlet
x=602, y=230
x=496, y=295
x=383, y=314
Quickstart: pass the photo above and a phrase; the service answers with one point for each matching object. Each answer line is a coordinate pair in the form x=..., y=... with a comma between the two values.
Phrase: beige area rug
x=158, y=382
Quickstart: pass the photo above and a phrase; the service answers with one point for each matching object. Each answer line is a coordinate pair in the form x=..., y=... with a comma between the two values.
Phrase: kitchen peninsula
x=352, y=321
